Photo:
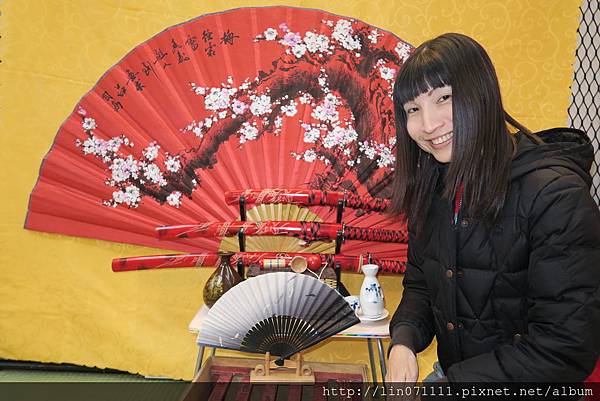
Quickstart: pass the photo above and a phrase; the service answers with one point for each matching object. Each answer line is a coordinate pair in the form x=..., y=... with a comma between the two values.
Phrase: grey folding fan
x=281, y=313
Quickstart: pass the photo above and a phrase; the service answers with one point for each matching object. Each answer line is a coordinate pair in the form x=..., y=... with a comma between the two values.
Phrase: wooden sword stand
x=291, y=372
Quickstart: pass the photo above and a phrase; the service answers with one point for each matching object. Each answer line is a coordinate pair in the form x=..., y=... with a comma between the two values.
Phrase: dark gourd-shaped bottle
x=221, y=280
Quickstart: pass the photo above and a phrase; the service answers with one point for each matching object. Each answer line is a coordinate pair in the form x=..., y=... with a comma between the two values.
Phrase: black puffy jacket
x=520, y=301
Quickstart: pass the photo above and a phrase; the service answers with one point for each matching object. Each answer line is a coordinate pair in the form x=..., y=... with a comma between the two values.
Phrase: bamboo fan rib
x=280, y=313
x=266, y=244
x=264, y=97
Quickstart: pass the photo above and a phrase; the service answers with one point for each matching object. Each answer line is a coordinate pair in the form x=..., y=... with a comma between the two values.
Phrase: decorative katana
x=306, y=197
x=307, y=231
x=266, y=260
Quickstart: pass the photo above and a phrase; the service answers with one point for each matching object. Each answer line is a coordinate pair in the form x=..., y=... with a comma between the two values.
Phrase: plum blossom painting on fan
x=249, y=98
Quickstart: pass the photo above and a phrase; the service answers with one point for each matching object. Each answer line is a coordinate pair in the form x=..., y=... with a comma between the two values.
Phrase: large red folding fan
x=250, y=98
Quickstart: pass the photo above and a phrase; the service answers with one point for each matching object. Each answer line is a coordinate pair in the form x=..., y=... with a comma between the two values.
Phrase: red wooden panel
x=220, y=388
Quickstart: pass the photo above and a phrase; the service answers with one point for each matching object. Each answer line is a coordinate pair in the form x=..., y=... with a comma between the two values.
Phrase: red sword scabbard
x=265, y=259
x=207, y=259
x=305, y=230
x=306, y=197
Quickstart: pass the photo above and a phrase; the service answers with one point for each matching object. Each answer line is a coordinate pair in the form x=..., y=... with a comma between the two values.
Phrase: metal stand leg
x=199, y=359
x=381, y=360
x=372, y=360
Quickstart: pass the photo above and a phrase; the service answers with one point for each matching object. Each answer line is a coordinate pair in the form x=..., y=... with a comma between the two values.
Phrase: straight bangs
x=421, y=73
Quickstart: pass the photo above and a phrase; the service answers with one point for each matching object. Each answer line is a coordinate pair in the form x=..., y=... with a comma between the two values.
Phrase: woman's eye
x=444, y=98
x=411, y=110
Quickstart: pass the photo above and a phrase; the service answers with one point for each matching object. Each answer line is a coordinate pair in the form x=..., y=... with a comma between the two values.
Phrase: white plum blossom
x=343, y=34
x=373, y=35
x=174, y=199
x=88, y=124
x=248, y=132
x=383, y=154
x=289, y=110
x=245, y=85
x=222, y=114
x=299, y=50
x=278, y=122
x=100, y=147
x=305, y=98
x=309, y=155
x=316, y=43
x=118, y=198
x=133, y=193
x=312, y=135
x=152, y=172
x=387, y=73
x=198, y=90
x=124, y=169
x=195, y=127
x=93, y=146
x=270, y=34
x=129, y=174
x=238, y=106
x=130, y=197
x=369, y=151
x=173, y=164
x=342, y=26
x=386, y=158
x=151, y=152
x=327, y=110
x=218, y=98
x=115, y=143
x=403, y=50
x=322, y=80
x=208, y=122
x=339, y=136
x=291, y=39
x=260, y=105
x=350, y=134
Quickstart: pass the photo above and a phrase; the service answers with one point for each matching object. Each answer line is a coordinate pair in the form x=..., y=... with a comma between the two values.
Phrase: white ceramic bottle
x=371, y=294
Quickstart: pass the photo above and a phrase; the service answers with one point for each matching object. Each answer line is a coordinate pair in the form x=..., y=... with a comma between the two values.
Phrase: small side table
x=365, y=330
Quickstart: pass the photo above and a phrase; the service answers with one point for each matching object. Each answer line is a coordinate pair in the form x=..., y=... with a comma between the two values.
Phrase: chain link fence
x=584, y=111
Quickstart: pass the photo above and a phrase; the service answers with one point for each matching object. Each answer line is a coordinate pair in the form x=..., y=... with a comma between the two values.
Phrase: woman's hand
x=402, y=365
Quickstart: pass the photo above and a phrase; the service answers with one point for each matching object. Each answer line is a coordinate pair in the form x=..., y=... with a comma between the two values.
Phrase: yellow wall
x=59, y=300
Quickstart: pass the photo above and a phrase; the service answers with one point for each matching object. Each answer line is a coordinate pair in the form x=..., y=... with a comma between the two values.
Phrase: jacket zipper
x=457, y=206
x=458, y=203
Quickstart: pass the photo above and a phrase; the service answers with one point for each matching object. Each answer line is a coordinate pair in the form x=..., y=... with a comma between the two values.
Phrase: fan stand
x=291, y=371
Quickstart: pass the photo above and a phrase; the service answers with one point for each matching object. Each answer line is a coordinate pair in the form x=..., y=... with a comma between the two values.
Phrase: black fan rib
x=279, y=335
x=283, y=335
x=329, y=316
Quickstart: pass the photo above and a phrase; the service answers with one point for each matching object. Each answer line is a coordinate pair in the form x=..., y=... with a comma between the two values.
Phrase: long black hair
x=482, y=147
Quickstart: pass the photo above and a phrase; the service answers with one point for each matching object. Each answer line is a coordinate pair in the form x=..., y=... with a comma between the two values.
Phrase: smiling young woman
x=454, y=82
x=504, y=252
x=429, y=122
